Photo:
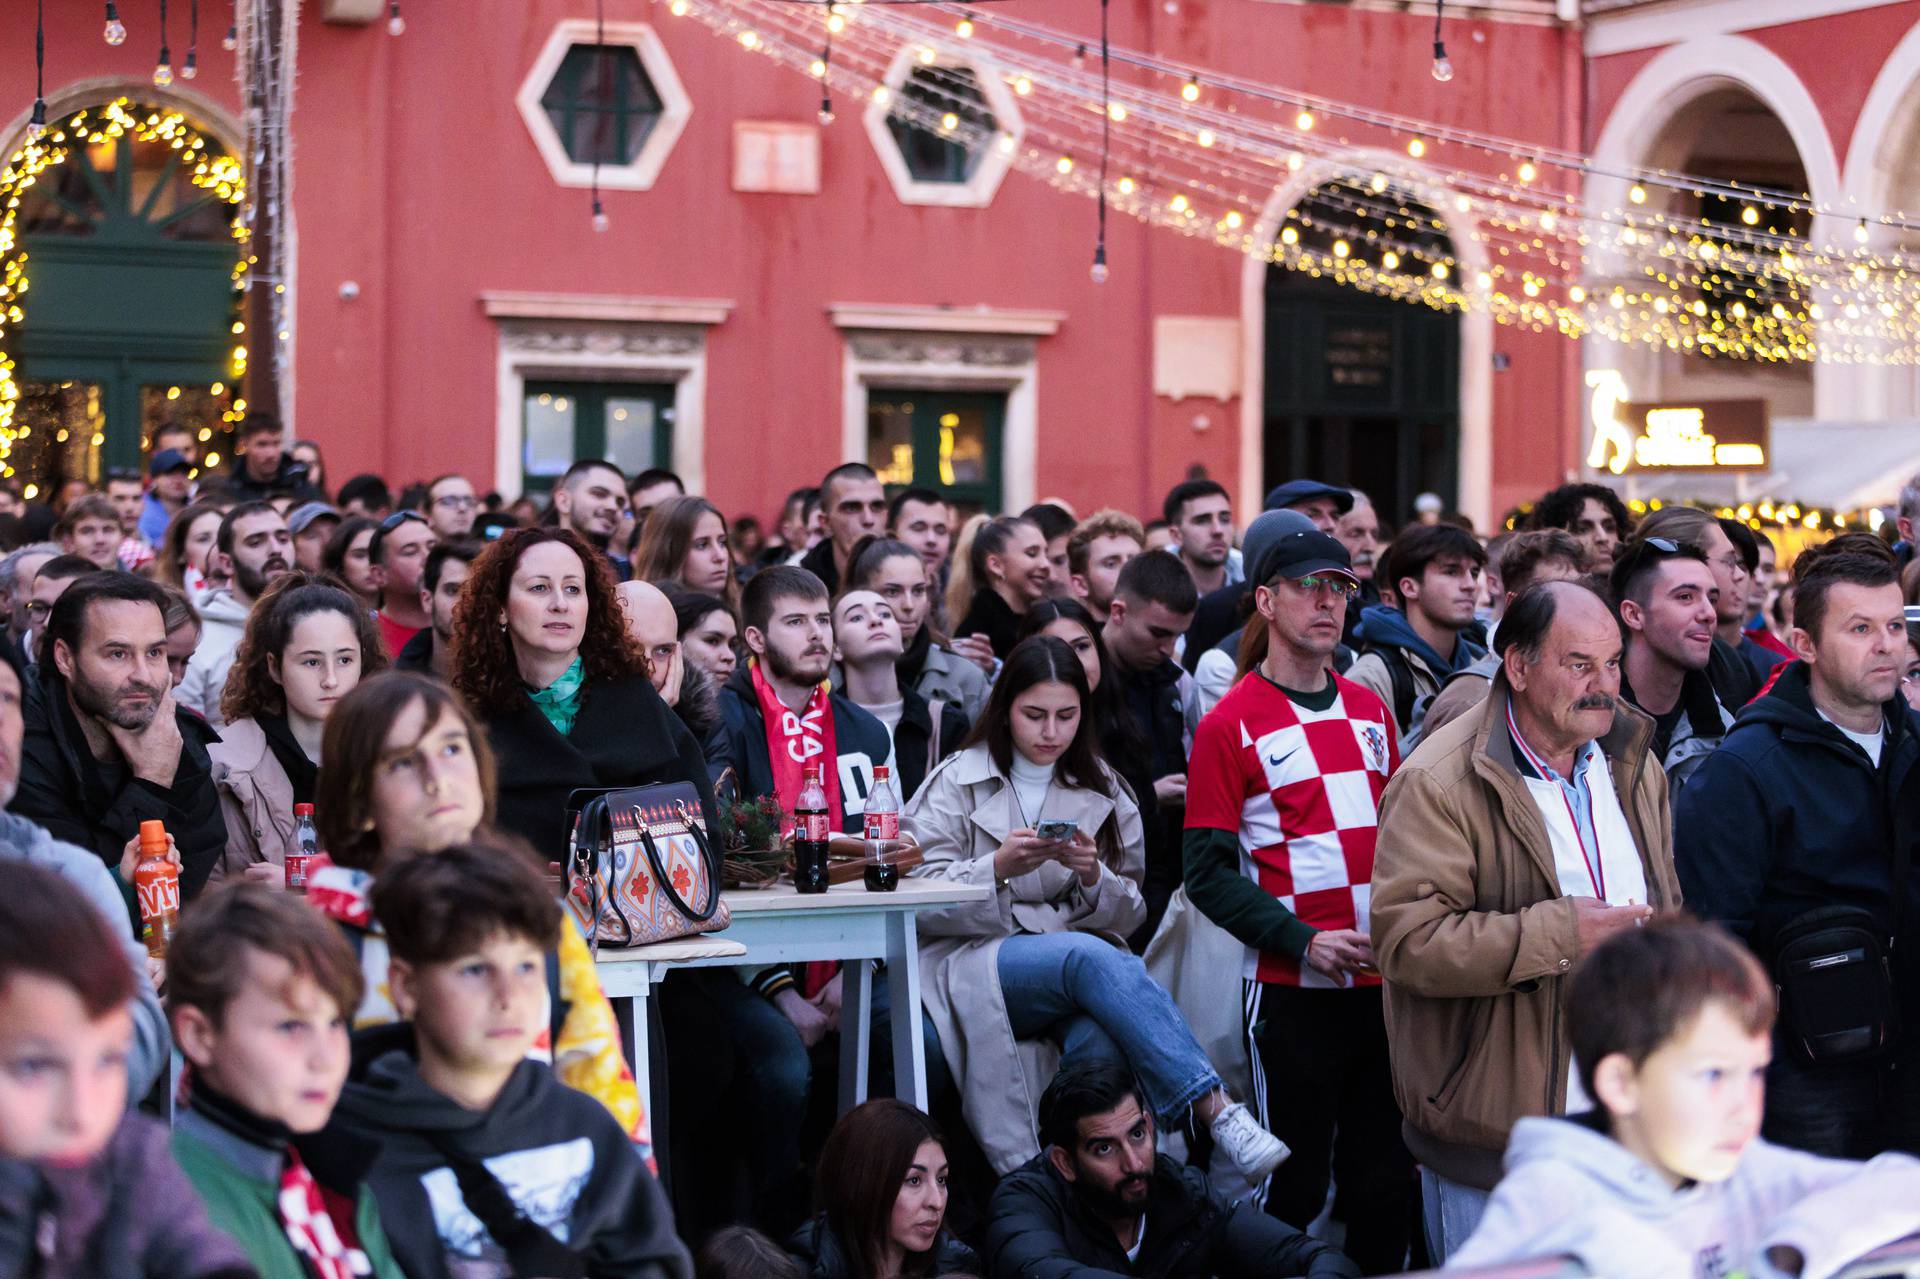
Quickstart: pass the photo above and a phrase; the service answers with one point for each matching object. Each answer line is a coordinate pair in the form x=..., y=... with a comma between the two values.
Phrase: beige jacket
x=256, y=798
x=961, y=815
x=1473, y=936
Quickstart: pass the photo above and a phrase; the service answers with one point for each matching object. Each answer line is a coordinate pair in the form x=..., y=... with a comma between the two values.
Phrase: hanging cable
x=1099, y=271
x=600, y=220
x=826, y=71
x=37, y=122
x=1442, y=65
x=191, y=67
x=163, y=67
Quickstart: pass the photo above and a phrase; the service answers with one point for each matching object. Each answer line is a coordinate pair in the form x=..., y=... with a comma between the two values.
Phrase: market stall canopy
x=1844, y=466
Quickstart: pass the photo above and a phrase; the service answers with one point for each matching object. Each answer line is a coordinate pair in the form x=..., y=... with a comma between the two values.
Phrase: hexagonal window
x=601, y=103
x=952, y=94
x=612, y=101
x=945, y=130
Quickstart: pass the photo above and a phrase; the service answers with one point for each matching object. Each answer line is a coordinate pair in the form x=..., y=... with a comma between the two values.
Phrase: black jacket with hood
x=1038, y=1228
x=558, y=1153
x=1789, y=815
x=817, y=1247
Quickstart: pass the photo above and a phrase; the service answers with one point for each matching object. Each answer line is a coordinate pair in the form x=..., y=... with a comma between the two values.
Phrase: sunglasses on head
x=398, y=518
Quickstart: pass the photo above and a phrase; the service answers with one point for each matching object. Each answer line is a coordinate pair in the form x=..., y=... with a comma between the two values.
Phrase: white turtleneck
x=1031, y=782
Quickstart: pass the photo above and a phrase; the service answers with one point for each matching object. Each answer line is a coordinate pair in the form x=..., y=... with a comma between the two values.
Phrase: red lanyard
x=1595, y=864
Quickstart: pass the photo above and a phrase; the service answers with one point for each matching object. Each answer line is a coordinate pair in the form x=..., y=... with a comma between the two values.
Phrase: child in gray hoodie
x=1671, y=1029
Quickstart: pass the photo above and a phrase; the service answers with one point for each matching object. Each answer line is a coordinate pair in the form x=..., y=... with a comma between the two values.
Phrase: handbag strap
x=592, y=835
x=665, y=881
x=531, y=1249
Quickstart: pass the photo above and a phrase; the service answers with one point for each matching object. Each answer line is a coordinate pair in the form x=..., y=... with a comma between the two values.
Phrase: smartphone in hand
x=1056, y=830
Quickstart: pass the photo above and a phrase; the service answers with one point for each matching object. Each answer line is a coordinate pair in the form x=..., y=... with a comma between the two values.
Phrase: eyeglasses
x=457, y=502
x=1338, y=585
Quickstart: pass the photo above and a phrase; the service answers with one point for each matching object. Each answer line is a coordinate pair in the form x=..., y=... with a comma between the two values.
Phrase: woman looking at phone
x=1038, y=971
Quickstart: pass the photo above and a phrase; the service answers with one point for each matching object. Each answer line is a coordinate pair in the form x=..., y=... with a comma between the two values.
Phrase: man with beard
x=788, y=631
x=1096, y=552
x=22, y=840
x=106, y=745
x=446, y=572
x=1098, y=1200
x=256, y=540
x=1511, y=843
x=591, y=499
x=1201, y=515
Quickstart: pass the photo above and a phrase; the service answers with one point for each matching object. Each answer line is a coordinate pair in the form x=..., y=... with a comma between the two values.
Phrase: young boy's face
x=63, y=1074
x=477, y=1014
x=279, y=1048
x=1694, y=1105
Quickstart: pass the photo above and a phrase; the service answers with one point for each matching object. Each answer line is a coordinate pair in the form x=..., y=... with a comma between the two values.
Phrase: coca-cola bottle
x=306, y=847
x=156, y=882
x=811, y=831
x=883, y=833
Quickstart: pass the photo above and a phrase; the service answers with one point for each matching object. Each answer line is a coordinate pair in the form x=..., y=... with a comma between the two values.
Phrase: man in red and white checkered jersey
x=1283, y=796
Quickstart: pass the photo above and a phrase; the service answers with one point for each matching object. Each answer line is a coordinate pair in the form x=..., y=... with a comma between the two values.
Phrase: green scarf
x=560, y=700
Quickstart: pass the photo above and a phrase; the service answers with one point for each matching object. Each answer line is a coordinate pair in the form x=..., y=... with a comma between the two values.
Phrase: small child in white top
x=1671, y=1026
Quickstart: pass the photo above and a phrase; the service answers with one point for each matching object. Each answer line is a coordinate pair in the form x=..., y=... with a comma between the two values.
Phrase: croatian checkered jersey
x=1302, y=788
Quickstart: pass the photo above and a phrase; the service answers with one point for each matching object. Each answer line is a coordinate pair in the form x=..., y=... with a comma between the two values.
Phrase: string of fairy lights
x=1385, y=203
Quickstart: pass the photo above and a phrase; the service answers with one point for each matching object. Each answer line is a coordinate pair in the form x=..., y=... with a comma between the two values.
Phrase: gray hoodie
x=1570, y=1190
x=152, y=1044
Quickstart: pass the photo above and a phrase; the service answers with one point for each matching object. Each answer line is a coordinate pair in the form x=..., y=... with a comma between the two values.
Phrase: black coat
x=100, y=806
x=1038, y=1228
x=819, y=562
x=1789, y=815
x=1217, y=617
x=993, y=617
x=417, y=653
x=913, y=739
x=822, y=1256
x=858, y=738
x=624, y=735
x=290, y=480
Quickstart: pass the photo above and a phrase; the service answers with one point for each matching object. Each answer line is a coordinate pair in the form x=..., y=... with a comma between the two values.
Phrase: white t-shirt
x=1871, y=743
x=1139, y=1241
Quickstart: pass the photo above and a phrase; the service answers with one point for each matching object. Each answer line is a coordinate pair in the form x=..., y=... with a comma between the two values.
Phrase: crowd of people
x=1348, y=904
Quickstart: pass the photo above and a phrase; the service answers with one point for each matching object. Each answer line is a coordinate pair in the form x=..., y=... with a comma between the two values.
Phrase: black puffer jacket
x=821, y=1254
x=1039, y=1229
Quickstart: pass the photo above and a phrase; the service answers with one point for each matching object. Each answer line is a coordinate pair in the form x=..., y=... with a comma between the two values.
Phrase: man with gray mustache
x=1511, y=842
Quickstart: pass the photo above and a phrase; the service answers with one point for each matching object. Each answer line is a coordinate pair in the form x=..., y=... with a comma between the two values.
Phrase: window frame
x=994, y=163
x=675, y=106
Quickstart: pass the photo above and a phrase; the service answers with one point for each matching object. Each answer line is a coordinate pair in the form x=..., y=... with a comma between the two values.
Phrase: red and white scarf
x=796, y=739
x=327, y=1244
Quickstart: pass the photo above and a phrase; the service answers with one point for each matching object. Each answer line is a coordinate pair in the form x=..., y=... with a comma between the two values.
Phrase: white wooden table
x=780, y=926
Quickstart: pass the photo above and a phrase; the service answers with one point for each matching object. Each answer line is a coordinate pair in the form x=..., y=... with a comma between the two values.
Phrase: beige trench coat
x=256, y=798
x=961, y=815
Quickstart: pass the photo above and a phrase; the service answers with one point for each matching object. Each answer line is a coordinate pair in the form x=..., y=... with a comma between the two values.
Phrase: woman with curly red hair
x=541, y=653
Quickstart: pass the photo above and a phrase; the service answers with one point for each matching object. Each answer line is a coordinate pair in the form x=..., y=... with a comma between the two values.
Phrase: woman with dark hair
x=895, y=572
x=881, y=1193
x=307, y=454
x=1010, y=574
x=684, y=540
x=348, y=557
x=307, y=645
x=542, y=653
x=186, y=552
x=709, y=630
x=1028, y=810
x=405, y=772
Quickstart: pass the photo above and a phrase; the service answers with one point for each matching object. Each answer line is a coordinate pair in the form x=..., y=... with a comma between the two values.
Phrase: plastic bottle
x=306, y=846
x=156, y=883
x=883, y=833
x=811, y=831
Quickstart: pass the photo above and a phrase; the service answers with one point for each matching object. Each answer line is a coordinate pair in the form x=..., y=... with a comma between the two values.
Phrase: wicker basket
x=753, y=867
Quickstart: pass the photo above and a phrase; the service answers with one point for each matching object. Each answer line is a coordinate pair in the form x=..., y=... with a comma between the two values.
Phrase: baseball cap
x=302, y=517
x=168, y=460
x=1267, y=528
x=1294, y=492
x=1302, y=554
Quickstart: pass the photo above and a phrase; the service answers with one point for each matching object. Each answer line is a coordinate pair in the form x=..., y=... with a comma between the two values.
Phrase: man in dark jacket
x=788, y=629
x=448, y=565
x=1098, y=1202
x=1813, y=802
x=1152, y=606
x=106, y=746
x=261, y=471
x=855, y=506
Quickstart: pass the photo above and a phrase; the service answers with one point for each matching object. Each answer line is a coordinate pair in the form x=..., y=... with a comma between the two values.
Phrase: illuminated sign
x=1703, y=435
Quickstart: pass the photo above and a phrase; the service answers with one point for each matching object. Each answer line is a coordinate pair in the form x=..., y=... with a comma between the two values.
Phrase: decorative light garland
x=223, y=175
x=1204, y=162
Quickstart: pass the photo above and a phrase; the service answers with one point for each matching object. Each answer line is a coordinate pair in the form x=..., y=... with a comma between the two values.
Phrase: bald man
x=655, y=628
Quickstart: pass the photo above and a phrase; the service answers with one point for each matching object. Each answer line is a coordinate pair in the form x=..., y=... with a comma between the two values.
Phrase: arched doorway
x=125, y=258
x=1361, y=390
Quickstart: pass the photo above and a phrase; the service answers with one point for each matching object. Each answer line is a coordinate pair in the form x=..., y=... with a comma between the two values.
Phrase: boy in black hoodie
x=489, y=1167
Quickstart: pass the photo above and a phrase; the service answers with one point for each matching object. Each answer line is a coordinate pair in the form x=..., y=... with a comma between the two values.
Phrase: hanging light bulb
x=964, y=28
x=1080, y=57
x=1190, y=91
x=115, y=31
x=37, y=122
x=231, y=40
x=1098, y=273
x=191, y=67
x=1442, y=64
x=826, y=109
x=396, y=25
x=163, y=69
x=600, y=220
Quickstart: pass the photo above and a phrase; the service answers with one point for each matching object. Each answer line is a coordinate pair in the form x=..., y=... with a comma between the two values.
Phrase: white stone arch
x=1882, y=175
x=205, y=114
x=1636, y=135
x=1475, y=463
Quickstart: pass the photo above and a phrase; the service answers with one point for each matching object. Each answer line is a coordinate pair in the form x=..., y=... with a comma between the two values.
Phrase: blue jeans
x=1097, y=1002
x=1451, y=1212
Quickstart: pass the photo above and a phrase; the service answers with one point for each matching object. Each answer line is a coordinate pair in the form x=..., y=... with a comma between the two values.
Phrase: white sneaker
x=1252, y=1150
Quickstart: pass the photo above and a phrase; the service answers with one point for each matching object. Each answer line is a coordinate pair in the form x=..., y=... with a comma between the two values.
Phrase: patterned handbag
x=639, y=869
